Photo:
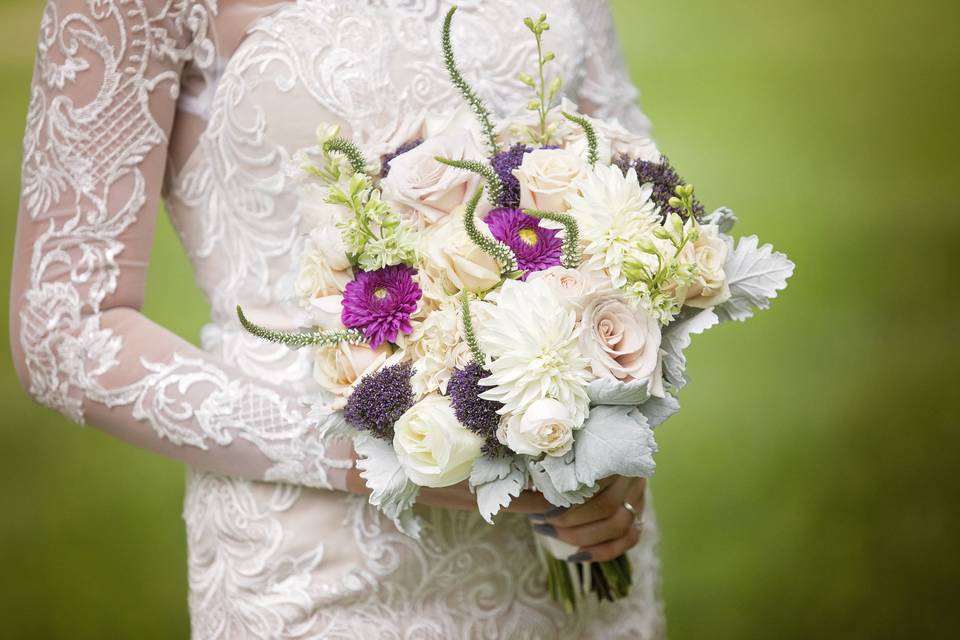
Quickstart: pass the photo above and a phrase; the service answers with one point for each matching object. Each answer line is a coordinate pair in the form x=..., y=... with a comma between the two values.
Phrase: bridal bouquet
x=507, y=304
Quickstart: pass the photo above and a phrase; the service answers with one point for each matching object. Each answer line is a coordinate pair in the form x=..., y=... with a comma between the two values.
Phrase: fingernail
x=553, y=513
x=583, y=556
x=545, y=529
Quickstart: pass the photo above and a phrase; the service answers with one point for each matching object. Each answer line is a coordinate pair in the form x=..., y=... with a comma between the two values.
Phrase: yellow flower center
x=380, y=293
x=528, y=236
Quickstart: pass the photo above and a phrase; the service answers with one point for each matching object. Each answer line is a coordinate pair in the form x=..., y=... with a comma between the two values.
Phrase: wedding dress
x=204, y=102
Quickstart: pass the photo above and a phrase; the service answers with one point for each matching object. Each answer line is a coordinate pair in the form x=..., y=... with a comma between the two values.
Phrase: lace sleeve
x=607, y=90
x=102, y=102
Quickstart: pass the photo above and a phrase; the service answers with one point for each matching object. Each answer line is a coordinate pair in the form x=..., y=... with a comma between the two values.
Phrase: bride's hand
x=602, y=527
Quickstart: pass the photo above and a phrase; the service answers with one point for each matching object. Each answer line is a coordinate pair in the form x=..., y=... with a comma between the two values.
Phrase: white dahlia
x=615, y=215
x=532, y=338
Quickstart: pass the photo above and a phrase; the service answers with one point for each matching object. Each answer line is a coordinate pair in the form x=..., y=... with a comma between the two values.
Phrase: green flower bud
x=548, y=56
x=555, y=86
x=675, y=202
x=526, y=79
x=533, y=105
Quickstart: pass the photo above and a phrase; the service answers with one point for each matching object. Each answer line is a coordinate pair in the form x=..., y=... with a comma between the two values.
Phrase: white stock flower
x=621, y=341
x=436, y=348
x=546, y=426
x=615, y=214
x=433, y=448
x=532, y=339
x=709, y=287
x=547, y=177
x=430, y=188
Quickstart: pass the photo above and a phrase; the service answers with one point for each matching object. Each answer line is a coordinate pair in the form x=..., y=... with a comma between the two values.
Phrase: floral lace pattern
x=267, y=560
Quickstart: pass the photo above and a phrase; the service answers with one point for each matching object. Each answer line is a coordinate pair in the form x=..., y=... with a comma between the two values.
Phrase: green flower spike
x=471, y=337
x=496, y=249
x=476, y=103
x=592, y=155
x=298, y=339
x=341, y=145
x=485, y=171
x=570, y=254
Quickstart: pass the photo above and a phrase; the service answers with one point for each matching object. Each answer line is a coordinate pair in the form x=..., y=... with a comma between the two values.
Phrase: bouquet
x=507, y=304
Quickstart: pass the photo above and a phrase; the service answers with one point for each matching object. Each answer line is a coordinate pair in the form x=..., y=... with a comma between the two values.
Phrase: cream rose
x=453, y=260
x=546, y=426
x=547, y=177
x=338, y=369
x=430, y=188
x=433, y=447
x=710, y=287
x=570, y=286
x=316, y=279
x=621, y=342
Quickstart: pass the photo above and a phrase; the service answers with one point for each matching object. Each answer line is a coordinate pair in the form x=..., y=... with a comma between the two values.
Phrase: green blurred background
x=807, y=490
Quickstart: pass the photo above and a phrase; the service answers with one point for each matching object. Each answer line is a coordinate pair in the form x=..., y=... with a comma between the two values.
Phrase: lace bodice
x=204, y=102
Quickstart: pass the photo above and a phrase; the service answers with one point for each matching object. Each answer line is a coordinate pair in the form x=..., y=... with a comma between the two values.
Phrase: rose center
x=528, y=237
x=380, y=293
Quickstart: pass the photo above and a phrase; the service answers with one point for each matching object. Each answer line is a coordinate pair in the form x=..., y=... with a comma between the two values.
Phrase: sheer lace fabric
x=205, y=102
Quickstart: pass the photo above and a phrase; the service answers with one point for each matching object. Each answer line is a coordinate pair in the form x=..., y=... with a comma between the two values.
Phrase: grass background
x=807, y=490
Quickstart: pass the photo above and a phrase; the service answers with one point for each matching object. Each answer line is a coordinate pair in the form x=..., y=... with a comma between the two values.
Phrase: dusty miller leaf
x=755, y=274
x=657, y=410
x=677, y=337
x=612, y=391
x=614, y=441
x=391, y=490
x=542, y=482
x=724, y=219
x=497, y=481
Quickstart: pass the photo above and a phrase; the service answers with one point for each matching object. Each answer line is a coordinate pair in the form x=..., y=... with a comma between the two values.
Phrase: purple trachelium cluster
x=536, y=247
x=664, y=179
x=379, y=303
x=504, y=163
x=406, y=146
x=473, y=412
x=380, y=399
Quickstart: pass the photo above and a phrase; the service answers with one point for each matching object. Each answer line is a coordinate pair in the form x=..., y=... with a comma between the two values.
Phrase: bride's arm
x=607, y=91
x=101, y=107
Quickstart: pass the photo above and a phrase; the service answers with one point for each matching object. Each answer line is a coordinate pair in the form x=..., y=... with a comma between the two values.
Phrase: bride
x=204, y=102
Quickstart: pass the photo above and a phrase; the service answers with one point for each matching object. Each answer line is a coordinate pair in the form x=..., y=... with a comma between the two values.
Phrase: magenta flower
x=536, y=247
x=379, y=303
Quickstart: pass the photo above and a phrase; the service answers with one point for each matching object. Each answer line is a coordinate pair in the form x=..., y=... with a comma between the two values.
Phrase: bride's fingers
x=599, y=507
x=593, y=533
x=609, y=550
x=530, y=502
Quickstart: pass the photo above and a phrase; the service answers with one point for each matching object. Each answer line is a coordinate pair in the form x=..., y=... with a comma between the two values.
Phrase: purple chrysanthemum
x=664, y=179
x=379, y=400
x=536, y=247
x=473, y=412
x=379, y=303
x=406, y=146
x=504, y=163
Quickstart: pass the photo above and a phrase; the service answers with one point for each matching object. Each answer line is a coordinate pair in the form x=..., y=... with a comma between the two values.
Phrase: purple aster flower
x=406, y=146
x=664, y=179
x=473, y=412
x=537, y=248
x=504, y=163
x=379, y=303
x=379, y=400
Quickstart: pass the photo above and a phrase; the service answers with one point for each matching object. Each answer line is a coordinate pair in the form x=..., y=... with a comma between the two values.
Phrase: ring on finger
x=637, y=516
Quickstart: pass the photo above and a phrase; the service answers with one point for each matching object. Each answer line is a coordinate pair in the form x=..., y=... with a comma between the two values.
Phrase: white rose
x=322, y=218
x=613, y=140
x=338, y=369
x=621, y=342
x=710, y=287
x=453, y=260
x=547, y=177
x=428, y=187
x=461, y=119
x=433, y=447
x=546, y=426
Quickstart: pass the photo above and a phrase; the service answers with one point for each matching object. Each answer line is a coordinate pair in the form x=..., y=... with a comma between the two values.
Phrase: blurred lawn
x=807, y=490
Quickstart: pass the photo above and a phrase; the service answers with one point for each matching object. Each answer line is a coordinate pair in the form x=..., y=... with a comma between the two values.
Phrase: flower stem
x=298, y=339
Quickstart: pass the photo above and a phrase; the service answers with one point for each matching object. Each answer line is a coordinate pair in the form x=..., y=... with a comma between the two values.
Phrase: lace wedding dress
x=204, y=102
